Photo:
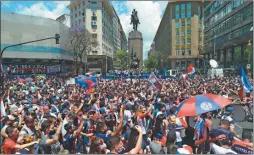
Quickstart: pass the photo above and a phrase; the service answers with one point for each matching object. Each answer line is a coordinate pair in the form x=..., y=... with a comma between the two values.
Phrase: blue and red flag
x=190, y=71
x=245, y=84
x=90, y=74
x=86, y=82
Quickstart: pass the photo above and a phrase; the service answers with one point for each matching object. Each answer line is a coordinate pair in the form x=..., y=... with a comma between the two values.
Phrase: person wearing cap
x=30, y=129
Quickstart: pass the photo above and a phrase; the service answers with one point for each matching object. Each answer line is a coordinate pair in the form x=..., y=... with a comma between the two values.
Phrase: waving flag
x=86, y=82
x=3, y=113
x=90, y=73
x=245, y=84
x=154, y=82
x=190, y=71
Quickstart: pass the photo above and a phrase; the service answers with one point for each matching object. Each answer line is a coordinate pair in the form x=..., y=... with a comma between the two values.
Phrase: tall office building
x=228, y=32
x=180, y=34
x=101, y=20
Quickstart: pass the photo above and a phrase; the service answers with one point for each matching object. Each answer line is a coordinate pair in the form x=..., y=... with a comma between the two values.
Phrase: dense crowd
x=121, y=116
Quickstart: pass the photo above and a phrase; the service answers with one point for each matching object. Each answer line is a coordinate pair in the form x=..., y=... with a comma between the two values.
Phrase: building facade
x=228, y=32
x=100, y=19
x=34, y=57
x=179, y=37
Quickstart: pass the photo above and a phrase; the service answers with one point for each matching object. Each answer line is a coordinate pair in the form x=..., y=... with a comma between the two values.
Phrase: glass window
x=229, y=7
x=75, y=8
x=189, y=51
x=182, y=6
x=177, y=15
x=188, y=41
x=177, y=51
x=75, y=15
x=183, y=41
x=177, y=42
x=177, y=33
x=188, y=22
x=84, y=19
x=177, y=7
x=183, y=23
x=183, y=52
x=93, y=2
x=188, y=14
x=182, y=33
x=237, y=18
x=188, y=6
x=183, y=15
x=189, y=32
x=236, y=3
x=177, y=24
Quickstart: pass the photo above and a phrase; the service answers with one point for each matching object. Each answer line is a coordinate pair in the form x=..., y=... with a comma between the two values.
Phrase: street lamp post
x=57, y=36
x=214, y=47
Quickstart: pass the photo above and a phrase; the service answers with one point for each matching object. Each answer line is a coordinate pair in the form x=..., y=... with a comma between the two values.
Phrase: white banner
x=71, y=81
x=53, y=69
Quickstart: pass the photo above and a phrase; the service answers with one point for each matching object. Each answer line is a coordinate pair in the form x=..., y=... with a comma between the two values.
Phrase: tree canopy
x=121, y=59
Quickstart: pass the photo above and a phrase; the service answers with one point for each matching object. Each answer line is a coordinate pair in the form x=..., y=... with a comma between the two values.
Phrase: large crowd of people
x=121, y=116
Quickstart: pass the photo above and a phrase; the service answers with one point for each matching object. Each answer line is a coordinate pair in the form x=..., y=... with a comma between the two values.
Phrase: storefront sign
x=53, y=69
x=26, y=69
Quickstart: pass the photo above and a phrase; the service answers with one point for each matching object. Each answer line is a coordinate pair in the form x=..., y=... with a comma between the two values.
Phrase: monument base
x=135, y=43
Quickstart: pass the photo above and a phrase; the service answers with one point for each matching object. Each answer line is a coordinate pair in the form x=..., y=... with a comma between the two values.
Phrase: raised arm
x=139, y=142
x=119, y=127
x=78, y=131
x=58, y=132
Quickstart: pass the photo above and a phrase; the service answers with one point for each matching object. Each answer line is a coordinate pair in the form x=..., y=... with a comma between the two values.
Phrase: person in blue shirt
x=72, y=134
x=102, y=129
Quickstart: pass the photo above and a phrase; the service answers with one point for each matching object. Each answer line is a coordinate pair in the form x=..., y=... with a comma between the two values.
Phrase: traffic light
x=57, y=36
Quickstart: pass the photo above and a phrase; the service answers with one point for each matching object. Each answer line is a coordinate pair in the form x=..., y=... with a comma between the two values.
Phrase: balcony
x=171, y=57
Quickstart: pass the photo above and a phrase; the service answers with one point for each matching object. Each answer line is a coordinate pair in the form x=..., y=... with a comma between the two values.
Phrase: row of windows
x=214, y=6
x=182, y=63
x=183, y=15
x=183, y=52
x=104, y=46
x=79, y=6
x=223, y=12
x=183, y=41
x=237, y=33
x=230, y=22
x=183, y=32
x=183, y=23
x=183, y=6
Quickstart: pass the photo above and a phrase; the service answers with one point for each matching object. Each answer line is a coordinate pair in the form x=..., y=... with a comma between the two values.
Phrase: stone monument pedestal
x=135, y=45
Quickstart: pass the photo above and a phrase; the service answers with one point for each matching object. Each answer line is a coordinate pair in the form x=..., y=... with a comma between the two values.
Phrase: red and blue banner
x=86, y=82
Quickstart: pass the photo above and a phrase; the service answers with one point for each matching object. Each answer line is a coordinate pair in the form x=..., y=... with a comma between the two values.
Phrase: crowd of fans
x=121, y=116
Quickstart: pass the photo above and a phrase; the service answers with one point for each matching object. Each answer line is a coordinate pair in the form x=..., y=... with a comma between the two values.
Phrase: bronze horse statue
x=134, y=19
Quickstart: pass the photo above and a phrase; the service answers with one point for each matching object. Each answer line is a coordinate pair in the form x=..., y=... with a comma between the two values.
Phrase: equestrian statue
x=134, y=20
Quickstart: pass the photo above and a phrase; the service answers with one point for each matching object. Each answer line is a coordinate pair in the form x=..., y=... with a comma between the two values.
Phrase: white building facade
x=100, y=19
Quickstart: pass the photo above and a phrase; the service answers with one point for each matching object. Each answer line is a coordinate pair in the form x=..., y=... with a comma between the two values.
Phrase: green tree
x=152, y=61
x=121, y=59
